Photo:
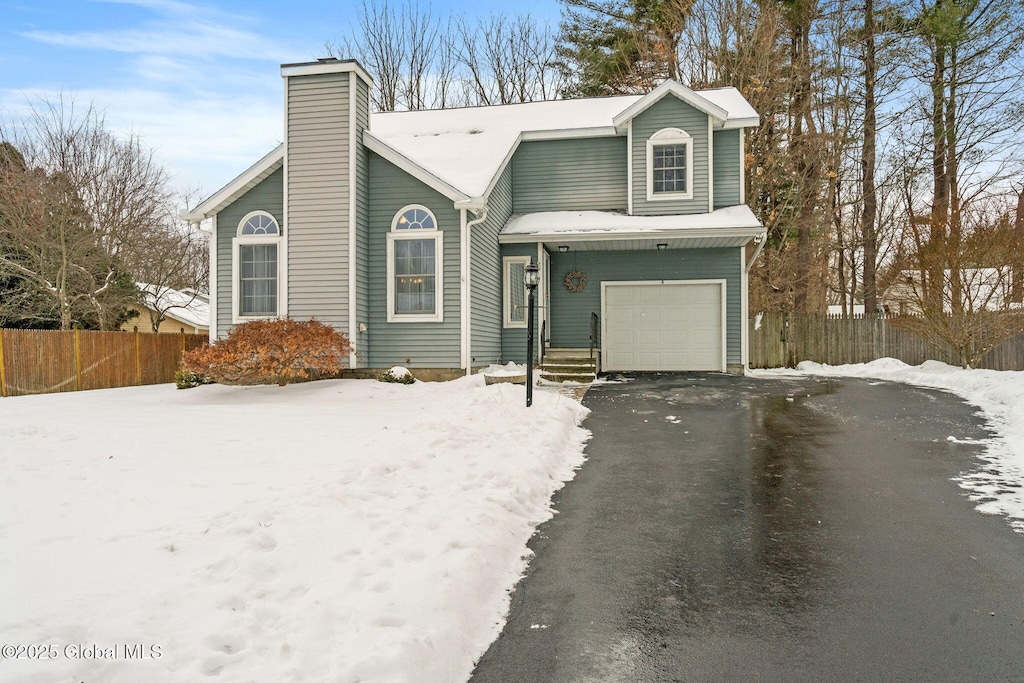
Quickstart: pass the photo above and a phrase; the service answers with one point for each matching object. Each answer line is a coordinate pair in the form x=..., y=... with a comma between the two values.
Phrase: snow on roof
x=594, y=223
x=465, y=148
x=184, y=306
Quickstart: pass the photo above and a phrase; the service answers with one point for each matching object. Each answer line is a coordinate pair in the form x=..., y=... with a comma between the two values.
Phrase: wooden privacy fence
x=48, y=361
x=781, y=340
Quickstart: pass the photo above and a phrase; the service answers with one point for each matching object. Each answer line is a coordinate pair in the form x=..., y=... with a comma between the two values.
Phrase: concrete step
x=561, y=352
x=572, y=364
x=579, y=377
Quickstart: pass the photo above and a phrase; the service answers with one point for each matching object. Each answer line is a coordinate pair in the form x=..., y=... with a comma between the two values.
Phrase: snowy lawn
x=998, y=487
x=334, y=531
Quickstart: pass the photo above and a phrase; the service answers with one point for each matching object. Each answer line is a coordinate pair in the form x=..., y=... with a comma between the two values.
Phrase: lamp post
x=531, y=277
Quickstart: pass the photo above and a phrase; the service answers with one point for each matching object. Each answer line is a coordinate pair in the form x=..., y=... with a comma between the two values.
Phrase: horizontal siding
x=570, y=311
x=267, y=196
x=418, y=345
x=727, y=158
x=486, y=276
x=362, y=216
x=513, y=339
x=670, y=112
x=317, y=129
x=570, y=175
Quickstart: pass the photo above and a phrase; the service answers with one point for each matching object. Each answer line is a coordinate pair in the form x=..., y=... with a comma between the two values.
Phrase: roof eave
x=237, y=187
x=383, y=149
x=750, y=232
x=669, y=87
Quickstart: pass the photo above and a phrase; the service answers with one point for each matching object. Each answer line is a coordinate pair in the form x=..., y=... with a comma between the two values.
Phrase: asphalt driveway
x=734, y=529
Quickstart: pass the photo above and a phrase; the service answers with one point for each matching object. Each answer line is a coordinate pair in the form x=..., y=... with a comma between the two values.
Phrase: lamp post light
x=531, y=277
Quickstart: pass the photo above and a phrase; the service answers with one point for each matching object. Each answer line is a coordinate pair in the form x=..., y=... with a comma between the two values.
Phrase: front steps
x=569, y=365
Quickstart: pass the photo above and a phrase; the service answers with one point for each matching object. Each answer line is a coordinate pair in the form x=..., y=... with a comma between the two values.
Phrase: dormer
x=672, y=135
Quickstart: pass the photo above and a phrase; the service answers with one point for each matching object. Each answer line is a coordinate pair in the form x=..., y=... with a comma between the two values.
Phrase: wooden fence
x=782, y=340
x=48, y=361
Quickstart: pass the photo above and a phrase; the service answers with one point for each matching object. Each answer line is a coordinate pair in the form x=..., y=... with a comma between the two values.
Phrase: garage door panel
x=663, y=326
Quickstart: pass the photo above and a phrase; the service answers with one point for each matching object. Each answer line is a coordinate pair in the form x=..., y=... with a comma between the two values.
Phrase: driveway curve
x=735, y=529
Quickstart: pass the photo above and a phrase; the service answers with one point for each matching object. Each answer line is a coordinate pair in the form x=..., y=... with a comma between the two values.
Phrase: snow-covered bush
x=272, y=352
x=397, y=375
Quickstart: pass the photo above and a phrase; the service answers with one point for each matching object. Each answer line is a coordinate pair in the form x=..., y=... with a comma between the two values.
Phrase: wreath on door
x=575, y=281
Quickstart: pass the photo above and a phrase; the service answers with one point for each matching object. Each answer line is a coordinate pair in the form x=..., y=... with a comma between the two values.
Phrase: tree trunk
x=869, y=234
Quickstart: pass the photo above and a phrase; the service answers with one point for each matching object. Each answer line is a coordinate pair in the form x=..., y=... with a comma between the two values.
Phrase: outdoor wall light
x=563, y=248
x=531, y=276
x=662, y=246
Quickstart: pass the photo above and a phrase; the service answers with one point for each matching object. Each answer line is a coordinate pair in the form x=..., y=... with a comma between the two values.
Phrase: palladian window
x=415, y=267
x=256, y=259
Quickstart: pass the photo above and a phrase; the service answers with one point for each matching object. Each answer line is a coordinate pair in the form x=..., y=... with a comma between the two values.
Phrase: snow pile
x=510, y=369
x=339, y=530
x=999, y=487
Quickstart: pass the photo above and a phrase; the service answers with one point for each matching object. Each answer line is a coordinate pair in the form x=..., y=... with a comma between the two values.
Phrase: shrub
x=272, y=352
x=186, y=379
x=397, y=375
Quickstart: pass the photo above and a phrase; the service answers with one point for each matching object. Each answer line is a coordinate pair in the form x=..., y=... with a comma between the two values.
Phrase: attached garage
x=662, y=325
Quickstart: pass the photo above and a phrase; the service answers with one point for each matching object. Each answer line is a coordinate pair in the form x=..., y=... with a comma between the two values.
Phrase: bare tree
x=82, y=204
x=972, y=311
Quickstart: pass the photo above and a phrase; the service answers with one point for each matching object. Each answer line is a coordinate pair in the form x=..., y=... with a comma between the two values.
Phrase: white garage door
x=663, y=326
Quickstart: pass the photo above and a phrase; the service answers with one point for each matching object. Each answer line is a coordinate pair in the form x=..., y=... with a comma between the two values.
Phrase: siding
x=418, y=345
x=727, y=158
x=513, y=339
x=670, y=112
x=317, y=130
x=570, y=175
x=362, y=215
x=570, y=312
x=267, y=196
x=485, y=275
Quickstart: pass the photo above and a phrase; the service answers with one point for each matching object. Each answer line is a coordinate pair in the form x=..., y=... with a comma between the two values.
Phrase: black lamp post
x=531, y=277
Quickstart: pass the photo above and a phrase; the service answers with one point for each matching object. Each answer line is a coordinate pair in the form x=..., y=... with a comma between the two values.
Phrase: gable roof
x=461, y=152
x=440, y=141
x=190, y=308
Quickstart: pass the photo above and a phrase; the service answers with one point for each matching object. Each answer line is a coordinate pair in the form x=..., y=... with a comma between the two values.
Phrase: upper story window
x=670, y=165
x=415, y=267
x=256, y=256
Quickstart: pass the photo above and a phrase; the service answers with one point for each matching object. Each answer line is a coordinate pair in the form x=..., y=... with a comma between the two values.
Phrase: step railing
x=595, y=329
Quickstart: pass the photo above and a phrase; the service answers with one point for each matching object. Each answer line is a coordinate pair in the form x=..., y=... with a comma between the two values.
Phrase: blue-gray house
x=409, y=231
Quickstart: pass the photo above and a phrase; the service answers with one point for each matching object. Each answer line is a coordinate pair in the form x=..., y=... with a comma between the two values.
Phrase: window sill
x=400, y=318
x=669, y=196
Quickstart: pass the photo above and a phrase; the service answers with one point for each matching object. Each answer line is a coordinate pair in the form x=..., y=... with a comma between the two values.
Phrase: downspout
x=467, y=317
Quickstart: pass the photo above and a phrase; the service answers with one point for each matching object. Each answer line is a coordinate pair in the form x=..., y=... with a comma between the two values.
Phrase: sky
x=198, y=81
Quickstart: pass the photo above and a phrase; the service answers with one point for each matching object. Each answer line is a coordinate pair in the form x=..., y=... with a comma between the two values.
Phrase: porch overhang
x=733, y=226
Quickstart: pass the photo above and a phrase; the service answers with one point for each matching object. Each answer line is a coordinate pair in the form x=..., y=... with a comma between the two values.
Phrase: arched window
x=415, y=266
x=256, y=267
x=670, y=165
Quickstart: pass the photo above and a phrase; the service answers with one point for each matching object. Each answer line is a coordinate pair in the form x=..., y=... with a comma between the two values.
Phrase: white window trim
x=401, y=212
x=506, y=289
x=236, y=289
x=438, y=237
x=669, y=136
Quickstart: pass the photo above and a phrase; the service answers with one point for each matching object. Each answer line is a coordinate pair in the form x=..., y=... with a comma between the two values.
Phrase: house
x=186, y=310
x=979, y=289
x=410, y=231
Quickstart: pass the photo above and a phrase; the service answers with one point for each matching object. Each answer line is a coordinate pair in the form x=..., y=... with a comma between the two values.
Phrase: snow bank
x=998, y=487
x=342, y=530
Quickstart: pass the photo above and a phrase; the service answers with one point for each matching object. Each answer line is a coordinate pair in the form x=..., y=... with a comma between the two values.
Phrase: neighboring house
x=186, y=310
x=981, y=288
x=409, y=231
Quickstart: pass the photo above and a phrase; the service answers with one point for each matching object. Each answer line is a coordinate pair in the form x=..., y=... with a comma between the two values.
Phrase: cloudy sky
x=200, y=82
